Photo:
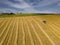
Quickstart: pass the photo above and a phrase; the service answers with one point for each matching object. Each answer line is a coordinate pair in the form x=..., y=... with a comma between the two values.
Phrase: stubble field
x=30, y=30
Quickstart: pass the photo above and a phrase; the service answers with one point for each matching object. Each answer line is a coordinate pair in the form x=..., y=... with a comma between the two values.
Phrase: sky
x=30, y=6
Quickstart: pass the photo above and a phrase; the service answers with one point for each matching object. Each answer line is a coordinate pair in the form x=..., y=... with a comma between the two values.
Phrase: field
x=30, y=30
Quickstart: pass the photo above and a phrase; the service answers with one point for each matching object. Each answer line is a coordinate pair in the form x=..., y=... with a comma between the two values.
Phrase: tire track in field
x=54, y=36
x=46, y=24
x=43, y=31
x=35, y=32
x=6, y=32
x=1, y=30
x=20, y=33
x=16, y=38
x=5, y=27
x=45, y=40
x=12, y=29
x=32, y=42
x=13, y=38
x=3, y=23
x=6, y=36
x=50, y=24
x=57, y=36
x=27, y=36
x=23, y=30
x=57, y=27
x=55, y=30
x=52, y=32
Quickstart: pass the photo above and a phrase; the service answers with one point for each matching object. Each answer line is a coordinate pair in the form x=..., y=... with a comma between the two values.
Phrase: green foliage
x=17, y=15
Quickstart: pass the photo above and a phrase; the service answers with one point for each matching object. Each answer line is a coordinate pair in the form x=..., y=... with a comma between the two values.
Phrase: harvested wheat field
x=30, y=30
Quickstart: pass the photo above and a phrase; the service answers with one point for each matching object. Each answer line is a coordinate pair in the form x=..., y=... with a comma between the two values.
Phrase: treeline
x=29, y=14
x=45, y=14
x=7, y=14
